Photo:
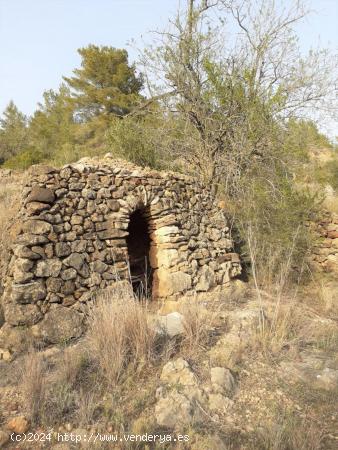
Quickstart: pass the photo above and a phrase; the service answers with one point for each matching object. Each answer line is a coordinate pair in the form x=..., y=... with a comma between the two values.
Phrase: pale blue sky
x=39, y=38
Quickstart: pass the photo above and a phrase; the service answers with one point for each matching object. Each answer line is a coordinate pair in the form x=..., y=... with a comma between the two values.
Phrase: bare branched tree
x=228, y=75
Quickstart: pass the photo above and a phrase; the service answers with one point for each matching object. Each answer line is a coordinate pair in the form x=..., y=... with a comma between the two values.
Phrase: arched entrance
x=138, y=242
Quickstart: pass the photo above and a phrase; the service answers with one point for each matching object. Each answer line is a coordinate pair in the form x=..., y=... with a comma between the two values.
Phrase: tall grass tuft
x=119, y=334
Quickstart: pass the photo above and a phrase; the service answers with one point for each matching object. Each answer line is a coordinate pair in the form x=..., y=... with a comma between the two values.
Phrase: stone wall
x=325, y=254
x=72, y=241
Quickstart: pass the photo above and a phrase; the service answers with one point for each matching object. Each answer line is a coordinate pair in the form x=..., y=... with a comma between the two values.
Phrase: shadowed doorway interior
x=138, y=242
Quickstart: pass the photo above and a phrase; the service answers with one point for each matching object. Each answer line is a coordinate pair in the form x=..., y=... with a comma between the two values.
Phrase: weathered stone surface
x=68, y=274
x=222, y=380
x=164, y=258
x=54, y=285
x=27, y=314
x=48, y=268
x=62, y=249
x=21, y=251
x=59, y=325
x=166, y=284
x=174, y=410
x=37, y=227
x=18, y=425
x=30, y=239
x=178, y=372
x=206, y=280
x=39, y=194
x=34, y=208
x=172, y=324
x=21, y=270
x=28, y=293
x=219, y=403
x=112, y=234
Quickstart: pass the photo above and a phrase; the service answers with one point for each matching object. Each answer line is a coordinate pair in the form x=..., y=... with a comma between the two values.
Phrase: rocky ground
x=241, y=374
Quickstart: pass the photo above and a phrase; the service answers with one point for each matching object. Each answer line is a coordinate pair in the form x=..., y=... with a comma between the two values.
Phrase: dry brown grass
x=198, y=324
x=119, y=334
x=282, y=330
x=86, y=403
x=71, y=367
x=33, y=384
x=10, y=191
x=289, y=433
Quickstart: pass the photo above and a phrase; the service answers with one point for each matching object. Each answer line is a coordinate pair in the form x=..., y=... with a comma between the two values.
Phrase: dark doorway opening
x=138, y=242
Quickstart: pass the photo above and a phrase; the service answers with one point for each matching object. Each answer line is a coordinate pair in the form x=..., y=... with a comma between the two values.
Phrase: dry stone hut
x=87, y=225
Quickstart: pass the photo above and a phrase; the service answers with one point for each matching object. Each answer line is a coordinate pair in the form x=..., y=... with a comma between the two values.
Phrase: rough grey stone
x=48, y=268
x=59, y=325
x=28, y=293
x=39, y=194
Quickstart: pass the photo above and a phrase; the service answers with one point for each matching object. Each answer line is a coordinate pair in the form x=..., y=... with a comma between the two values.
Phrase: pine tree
x=105, y=84
x=52, y=125
x=13, y=132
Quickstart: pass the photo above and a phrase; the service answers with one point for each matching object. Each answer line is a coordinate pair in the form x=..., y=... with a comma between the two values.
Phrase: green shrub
x=144, y=141
x=24, y=160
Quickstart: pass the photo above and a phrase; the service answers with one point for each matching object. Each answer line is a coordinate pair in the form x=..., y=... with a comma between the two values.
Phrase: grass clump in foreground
x=120, y=334
x=85, y=382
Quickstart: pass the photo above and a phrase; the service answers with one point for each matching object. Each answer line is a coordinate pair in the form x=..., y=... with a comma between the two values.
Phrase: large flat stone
x=39, y=194
x=28, y=293
x=166, y=283
x=59, y=325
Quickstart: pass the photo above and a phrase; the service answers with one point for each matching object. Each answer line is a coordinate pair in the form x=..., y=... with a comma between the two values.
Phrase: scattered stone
x=5, y=355
x=178, y=372
x=18, y=425
x=328, y=379
x=222, y=380
x=219, y=403
x=174, y=410
x=172, y=324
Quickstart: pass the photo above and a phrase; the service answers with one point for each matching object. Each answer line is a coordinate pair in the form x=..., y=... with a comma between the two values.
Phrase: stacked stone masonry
x=325, y=254
x=73, y=240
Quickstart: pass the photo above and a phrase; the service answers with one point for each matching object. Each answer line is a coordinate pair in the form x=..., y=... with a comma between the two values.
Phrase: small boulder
x=5, y=355
x=327, y=379
x=59, y=325
x=21, y=314
x=206, y=280
x=18, y=425
x=174, y=410
x=34, y=208
x=37, y=227
x=222, y=380
x=178, y=372
x=172, y=324
x=219, y=403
